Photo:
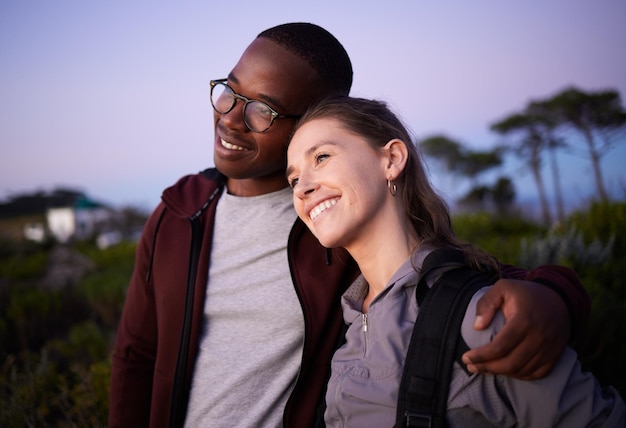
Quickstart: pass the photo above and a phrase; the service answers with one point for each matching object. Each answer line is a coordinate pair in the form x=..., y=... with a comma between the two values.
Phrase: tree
x=476, y=198
x=458, y=159
x=546, y=121
x=445, y=150
x=598, y=116
x=446, y=153
x=536, y=135
x=503, y=194
x=474, y=163
x=462, y=162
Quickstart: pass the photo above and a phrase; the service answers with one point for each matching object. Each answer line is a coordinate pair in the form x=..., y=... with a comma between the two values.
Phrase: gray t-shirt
x=253, y=330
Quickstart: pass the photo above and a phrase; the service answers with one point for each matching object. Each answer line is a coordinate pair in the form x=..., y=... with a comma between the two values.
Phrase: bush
x=498, y=235
x=105, y=289
x=32, y=315
x=601, y=348
x=56, y=343
x=566, y=247
x=20, y=267
x=593, y=243
x=36, y=391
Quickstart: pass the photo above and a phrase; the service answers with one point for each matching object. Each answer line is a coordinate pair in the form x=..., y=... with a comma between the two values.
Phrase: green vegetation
x=601, y=267
x=592, y=242
x=57, y=340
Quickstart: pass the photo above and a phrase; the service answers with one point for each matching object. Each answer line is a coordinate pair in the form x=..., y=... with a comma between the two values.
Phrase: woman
x=358, y=183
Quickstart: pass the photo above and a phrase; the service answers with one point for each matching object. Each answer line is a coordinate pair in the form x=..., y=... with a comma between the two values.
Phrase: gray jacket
x=366, y=372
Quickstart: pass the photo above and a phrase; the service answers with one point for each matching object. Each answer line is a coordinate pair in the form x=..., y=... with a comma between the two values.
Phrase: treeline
x=570, y=118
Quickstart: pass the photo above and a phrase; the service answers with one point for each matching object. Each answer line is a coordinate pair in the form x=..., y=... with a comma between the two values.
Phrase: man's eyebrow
x=262, y=97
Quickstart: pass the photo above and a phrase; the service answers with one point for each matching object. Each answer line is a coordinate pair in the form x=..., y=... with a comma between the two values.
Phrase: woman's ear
x=396, y=155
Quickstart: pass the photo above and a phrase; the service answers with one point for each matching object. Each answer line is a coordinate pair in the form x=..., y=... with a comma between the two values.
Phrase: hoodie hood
x=191, y=195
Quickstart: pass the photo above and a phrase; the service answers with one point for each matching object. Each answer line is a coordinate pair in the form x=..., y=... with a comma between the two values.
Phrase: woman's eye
x=320, y=158
x=293, y=182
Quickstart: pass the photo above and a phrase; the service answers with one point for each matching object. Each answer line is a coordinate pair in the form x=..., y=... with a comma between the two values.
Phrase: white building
x=35, y=232
x=77, y=222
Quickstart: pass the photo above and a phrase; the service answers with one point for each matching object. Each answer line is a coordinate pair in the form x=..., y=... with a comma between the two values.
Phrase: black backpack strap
x=423, y=395
x=434, y=260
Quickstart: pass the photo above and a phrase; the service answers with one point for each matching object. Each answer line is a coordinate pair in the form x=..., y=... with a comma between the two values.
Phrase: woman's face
x=338, y=182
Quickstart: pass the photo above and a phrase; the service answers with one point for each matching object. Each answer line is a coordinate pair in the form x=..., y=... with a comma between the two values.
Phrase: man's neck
x=255, y=186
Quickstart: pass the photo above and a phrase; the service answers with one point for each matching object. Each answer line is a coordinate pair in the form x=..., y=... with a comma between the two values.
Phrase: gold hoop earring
x=392, y=187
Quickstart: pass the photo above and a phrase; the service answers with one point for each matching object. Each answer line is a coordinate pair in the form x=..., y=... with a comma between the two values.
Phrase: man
x=232, y=313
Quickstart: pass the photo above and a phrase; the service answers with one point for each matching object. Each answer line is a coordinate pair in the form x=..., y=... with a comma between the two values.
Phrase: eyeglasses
x=257, y=115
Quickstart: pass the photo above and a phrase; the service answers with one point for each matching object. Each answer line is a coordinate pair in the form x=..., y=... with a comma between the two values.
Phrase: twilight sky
x=112, y=98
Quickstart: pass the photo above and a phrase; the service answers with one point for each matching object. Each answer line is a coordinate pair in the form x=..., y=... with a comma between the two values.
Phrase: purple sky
x=112, y=97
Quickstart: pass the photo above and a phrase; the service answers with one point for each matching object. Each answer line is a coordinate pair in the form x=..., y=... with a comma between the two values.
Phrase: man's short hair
x=320, y=49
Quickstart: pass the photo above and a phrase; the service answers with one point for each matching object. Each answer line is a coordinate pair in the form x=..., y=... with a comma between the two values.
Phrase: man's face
x=255, y=162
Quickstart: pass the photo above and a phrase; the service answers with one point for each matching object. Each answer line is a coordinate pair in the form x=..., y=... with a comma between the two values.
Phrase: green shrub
x=31, y=390
x=105, y=289
x=498, y=235
x=601, y=347
x=32, y=315
x=120, y=256
x=593, y=243
x=605, y=222
x=567, y=247
x=36, y=391
x=20, y=267
x=84, y=343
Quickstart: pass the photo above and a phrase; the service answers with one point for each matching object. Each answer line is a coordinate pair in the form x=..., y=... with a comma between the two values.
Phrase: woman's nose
x=306, y=186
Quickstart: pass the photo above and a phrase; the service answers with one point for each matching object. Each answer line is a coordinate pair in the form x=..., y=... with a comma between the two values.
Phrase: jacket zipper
x=177, y=413
x=364, y=330
x=178, y=407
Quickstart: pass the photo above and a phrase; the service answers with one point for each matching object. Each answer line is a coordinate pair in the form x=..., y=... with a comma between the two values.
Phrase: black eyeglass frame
x=274, y=114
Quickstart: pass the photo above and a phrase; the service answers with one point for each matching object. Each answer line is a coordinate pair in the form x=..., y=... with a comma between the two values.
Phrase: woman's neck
x=379, y=257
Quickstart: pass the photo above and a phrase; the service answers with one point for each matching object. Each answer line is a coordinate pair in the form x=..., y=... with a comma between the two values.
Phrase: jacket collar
x=191, y=195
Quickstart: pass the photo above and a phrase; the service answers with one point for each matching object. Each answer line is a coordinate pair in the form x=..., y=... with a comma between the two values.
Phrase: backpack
x=436, y=341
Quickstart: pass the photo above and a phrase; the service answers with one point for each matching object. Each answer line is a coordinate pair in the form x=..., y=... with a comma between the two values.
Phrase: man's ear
x=396, y=156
